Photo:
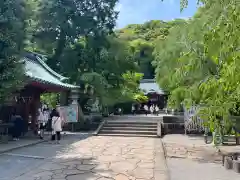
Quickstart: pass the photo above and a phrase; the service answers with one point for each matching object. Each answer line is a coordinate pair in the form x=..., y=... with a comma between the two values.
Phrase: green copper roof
x=37, y=70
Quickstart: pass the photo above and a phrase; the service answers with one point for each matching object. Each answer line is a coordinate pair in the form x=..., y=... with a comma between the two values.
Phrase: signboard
x=68, y=113
x=72, y=113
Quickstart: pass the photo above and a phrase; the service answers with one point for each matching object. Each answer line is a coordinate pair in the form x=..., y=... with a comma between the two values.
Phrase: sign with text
x=69, y=113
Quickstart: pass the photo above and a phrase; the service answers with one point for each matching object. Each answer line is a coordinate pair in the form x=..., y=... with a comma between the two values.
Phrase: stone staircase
x=129, y=127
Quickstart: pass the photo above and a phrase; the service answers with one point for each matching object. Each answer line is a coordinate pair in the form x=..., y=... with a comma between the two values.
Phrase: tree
x=143, y=38
x=62, y=22
x=50, y=99
x=13, y=23
x=107, y=78
x=205, y=62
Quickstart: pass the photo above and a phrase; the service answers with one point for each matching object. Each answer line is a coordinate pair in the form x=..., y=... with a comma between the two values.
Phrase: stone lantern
x=74, y=95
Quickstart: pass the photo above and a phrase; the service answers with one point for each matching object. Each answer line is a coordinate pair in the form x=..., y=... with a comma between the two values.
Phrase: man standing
x=41, y=123
x=157, y=110
x=146, y=109
x=133, y=110
x=151, y=109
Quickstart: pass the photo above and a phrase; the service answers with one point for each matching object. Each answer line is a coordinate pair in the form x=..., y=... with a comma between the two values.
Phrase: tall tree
x=142, y=39
x=61, y=22
x=203, y=68
x=13, y=22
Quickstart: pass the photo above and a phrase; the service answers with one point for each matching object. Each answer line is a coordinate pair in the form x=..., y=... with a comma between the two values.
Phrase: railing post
x=159, y=129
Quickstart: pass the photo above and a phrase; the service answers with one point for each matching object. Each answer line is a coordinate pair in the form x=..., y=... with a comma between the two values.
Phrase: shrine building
x=40, y=79
x=154, y=93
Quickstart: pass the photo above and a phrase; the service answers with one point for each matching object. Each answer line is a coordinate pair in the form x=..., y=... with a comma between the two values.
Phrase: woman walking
x=57, y=123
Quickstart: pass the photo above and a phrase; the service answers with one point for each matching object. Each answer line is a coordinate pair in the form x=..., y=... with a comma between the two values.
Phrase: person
x=146, y=109
x=151, y=109
x=133, y=110
x=41, y=123
x=17, y=128
x=157, y=109
x=120, y=111
x=166, y=110
x=57, y=123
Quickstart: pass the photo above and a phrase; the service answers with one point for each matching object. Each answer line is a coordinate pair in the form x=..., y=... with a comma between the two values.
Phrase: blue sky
x=140, y=11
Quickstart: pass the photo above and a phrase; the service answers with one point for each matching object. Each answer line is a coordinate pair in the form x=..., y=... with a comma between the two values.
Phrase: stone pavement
x=11, y=145
x=187, y=147
x=105, y=158
x=188, y=157
x=186, y=169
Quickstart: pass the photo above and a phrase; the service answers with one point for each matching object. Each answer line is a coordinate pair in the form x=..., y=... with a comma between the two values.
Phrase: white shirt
x=151, y=108
x=146, y=108
x=45, y=116
x=56, y=123
x=40, y=116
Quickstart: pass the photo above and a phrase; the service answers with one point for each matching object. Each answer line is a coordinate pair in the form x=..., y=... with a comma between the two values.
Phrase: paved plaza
x=94, y=158
x=187, y=169
x=82, y=156
x=188, y=157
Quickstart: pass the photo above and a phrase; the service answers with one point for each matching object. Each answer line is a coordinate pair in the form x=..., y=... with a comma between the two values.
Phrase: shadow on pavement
x=67, y=168
x=24, y=160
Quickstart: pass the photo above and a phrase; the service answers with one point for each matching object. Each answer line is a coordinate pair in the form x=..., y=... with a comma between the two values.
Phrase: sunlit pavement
x=85, y=157
x=187, y=169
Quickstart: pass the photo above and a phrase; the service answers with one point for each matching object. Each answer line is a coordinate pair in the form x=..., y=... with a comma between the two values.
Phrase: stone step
x=130, y=128
x=131, y=125
x=128, y=132
x=129, y=135
x=131, y=122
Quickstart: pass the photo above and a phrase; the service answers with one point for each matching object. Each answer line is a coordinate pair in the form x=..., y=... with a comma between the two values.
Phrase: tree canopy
x=195, y=60
x=142, y=39
x=13, y=27
x=198, y=61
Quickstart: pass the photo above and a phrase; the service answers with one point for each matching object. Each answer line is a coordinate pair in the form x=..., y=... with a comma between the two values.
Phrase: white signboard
x=69, y=113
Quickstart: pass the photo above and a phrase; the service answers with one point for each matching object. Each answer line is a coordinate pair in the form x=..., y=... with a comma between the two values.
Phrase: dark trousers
x=16, y=132
x=58, y=134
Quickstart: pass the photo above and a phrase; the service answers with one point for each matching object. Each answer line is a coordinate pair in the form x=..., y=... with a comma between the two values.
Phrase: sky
x=140, y=11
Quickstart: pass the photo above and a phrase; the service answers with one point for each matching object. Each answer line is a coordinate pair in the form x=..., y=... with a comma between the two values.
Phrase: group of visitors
x=47, y=120
x=50, y=121
x=153, y=109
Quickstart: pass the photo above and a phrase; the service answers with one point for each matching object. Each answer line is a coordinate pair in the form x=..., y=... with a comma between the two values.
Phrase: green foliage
x=13, y=22
x=142, y=38
x=50, y=99
x=199, y=62
x=60, y=23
